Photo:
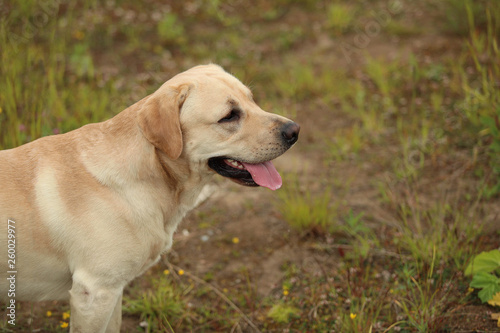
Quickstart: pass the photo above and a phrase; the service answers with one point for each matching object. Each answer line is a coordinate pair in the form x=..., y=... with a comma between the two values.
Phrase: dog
x=87, y=211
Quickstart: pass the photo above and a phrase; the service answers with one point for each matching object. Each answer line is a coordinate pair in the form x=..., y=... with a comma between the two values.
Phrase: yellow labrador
x=86, y=212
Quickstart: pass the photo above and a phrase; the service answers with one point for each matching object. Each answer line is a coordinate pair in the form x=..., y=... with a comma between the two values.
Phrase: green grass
x=43, y=92
x=402, y=153
x=438, y=237
x=281, y=313
x=155, y=304
x=340, y=17
x=481, y=104
x=456, y=12
x=305, y=211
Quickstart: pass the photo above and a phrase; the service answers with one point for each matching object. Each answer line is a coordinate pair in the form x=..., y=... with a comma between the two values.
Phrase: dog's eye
x=231, y=116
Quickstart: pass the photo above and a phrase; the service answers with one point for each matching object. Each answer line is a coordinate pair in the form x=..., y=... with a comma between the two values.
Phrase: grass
x=305, y=211
x=153, y=305
x=340, y=17
x=457, y=11
x=445, y=233
x=72, y=92
x=281, y=313
x=403, y=153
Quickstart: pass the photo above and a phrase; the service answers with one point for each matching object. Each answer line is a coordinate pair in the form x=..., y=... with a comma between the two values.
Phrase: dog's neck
x=142, y=162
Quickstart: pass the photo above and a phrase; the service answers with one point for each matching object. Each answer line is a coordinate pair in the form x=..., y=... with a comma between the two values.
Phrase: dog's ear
x=159, y=119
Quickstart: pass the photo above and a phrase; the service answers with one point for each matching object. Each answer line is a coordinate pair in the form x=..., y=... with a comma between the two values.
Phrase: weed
x=68, y=93
x=425, y=297
x=340, y=17
x=153, y=304
x=365, y=238
x=481, y=103
x=459, y=11
x=438, y=234
x=346, y=143
x=171, y=30
x=281, y=313
x=485, y=269
x=306, y=211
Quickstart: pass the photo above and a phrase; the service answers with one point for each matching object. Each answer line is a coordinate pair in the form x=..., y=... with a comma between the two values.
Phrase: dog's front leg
x=93, y=304
x=115, y=322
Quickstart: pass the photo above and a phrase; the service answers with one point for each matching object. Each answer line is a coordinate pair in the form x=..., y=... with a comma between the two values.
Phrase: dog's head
x=208, y=117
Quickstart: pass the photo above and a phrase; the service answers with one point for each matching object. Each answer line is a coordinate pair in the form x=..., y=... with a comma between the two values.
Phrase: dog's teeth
x=235, y=164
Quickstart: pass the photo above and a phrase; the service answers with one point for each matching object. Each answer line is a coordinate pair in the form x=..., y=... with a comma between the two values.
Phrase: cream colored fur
x=97, y=206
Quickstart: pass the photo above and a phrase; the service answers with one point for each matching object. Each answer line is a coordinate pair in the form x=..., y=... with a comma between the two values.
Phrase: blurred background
x=391, y=191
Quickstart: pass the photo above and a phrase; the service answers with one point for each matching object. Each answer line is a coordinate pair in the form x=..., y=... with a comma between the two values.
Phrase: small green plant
x=306, y=211
x=340, y=17
x=347, y=143
x=442, y=231
x=425, y=296
x=365, y=238
x=152, y=304
x=170, y=29
x=481, y=104
x=354, y=225
x=281, y=313
x=485, y=271
x=458, y=11
x=81, y=61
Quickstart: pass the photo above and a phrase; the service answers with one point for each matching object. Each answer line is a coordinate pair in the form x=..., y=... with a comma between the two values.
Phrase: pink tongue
x=264, y=174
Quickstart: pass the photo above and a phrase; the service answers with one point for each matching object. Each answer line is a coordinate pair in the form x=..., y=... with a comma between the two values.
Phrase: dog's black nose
x=290, y=132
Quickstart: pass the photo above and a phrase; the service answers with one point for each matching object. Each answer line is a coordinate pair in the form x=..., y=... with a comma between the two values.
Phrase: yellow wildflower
x=65, y=315
x=353, y=315
x=49, y=313
x=236, y=240
x=285, y=292
x=166, y=272
x=181, y=272
x=64, y=324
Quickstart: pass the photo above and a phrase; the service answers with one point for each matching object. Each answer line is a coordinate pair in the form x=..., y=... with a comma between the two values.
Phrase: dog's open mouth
x=249, y=174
